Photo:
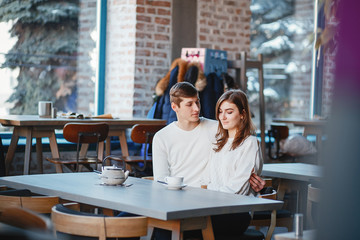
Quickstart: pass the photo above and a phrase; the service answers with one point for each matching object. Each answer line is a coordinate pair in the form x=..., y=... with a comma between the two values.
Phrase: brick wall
x=153, y=50
x=225, y=25
x=120, y=57
x=85, y=70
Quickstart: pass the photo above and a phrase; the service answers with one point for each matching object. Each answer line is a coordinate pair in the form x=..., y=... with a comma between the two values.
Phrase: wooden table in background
x=32, y=126
x=175, y=210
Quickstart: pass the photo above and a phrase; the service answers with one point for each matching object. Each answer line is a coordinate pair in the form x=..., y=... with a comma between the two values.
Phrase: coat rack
x=241, y=66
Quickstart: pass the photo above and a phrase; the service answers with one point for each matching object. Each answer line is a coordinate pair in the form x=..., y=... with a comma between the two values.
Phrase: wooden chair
x=70, y=221
x=83, y=134
x=312, y=199
x=39, y=204
x=25, y=219
x=272, y=219
x=143, y=134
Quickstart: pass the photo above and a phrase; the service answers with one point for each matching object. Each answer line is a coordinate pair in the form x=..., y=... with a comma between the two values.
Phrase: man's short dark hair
x=182, y=90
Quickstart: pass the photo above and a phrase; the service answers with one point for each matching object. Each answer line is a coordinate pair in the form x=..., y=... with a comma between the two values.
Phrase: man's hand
x=256, y=182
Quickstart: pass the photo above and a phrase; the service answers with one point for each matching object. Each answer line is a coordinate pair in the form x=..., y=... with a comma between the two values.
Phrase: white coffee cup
x=44, y=109
x=174, y=181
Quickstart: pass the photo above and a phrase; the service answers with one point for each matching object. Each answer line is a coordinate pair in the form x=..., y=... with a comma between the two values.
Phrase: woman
x=236, y=153
x=235, y=157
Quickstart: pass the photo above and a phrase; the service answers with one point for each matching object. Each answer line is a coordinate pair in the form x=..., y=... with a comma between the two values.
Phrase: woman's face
x=229, y=117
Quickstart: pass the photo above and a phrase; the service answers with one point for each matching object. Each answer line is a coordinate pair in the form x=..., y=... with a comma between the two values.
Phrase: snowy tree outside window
x=280, y=30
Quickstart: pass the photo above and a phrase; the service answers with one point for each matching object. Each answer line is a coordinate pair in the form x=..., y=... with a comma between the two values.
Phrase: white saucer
x=175, y=187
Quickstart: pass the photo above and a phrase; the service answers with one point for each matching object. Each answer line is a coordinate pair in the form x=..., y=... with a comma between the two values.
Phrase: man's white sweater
x=177, y=152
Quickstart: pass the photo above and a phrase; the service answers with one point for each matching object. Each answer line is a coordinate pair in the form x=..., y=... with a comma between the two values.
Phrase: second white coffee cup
x=174, y=181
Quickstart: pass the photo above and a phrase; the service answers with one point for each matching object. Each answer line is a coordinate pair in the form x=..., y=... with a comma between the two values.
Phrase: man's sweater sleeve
x=160, y=158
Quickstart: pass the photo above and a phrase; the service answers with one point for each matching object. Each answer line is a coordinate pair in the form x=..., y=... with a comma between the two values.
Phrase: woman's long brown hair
x=245, y=127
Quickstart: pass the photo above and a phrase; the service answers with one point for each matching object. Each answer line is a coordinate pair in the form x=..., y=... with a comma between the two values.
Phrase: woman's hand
x=256, y=182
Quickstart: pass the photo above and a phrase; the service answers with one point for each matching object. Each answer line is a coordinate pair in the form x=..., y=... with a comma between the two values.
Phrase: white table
x=186, y=209
x=295, y=176
x=293, y=171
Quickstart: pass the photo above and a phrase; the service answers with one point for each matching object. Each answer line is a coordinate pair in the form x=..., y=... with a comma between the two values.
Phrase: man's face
x=188, y=110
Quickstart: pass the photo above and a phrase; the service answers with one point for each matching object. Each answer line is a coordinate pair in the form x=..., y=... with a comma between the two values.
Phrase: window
x=280, y=31
x=50, y=56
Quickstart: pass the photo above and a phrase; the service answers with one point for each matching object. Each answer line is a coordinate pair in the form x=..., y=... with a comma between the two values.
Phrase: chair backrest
x=86, y=132
x=143, y=133
x=39, y=204
x=313, y=198
x=98, y=226
x=24, y=218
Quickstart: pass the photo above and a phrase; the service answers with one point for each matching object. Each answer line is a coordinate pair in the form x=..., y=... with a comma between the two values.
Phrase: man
x=182, y=148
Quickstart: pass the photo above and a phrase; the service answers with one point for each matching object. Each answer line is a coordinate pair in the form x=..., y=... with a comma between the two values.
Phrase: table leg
x=55, y=151
x=123, y=143
x=108, y=146
x=177, y=227
x=150, y=232
x=272, y=225
x=39, y=155
x=27, y=159
x=176, y=233
x=11, y=150
x=208, y=232
x=83, y=150
x=124, y=147
x=101, y=153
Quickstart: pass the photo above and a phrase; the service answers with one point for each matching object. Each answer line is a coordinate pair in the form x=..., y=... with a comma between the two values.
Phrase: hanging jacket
x=163, y=106
x=210, y=89
x=209, y=96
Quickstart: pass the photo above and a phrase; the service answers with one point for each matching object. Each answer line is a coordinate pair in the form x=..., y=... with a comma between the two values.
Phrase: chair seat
x=261, y=215
x=251, y=234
